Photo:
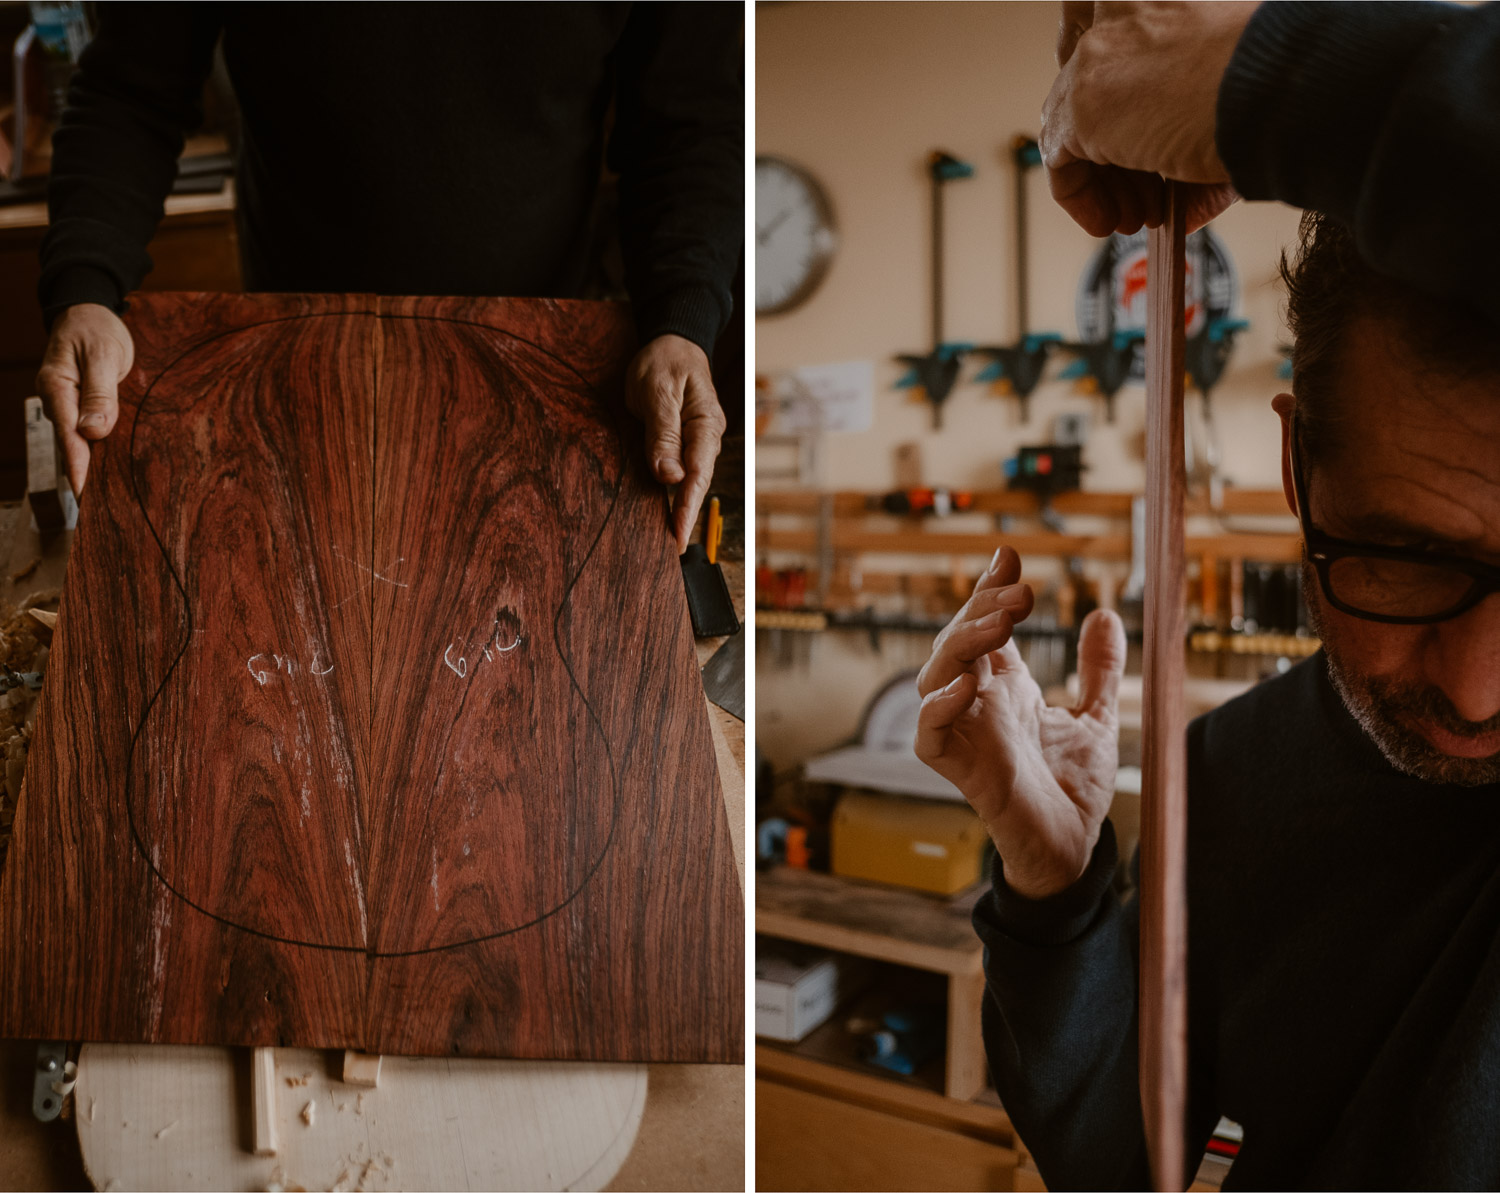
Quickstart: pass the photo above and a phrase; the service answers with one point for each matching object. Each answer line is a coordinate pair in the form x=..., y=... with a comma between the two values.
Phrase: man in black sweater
x=1344, y=818
x=416, y=149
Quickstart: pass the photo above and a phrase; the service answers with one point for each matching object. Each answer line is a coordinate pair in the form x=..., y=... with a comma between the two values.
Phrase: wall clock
x=794, y=236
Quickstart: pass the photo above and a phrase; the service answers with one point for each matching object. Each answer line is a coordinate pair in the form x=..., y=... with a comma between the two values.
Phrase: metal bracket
x=51, y=1065
x=19, y=679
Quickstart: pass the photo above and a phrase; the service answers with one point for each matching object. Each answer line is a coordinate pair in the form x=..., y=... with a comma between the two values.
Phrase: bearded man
x=1343, y=820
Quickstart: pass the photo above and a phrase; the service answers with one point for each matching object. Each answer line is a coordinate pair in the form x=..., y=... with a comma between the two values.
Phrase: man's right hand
x=1041, y=778
x=89, y=354
x=1134, y=102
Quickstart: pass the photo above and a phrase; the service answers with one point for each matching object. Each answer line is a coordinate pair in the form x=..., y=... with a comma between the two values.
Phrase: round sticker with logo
x=1112, y=290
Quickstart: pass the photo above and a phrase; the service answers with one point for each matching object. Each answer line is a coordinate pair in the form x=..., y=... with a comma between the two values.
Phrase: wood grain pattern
x=1163, y=1051
x=373, y=720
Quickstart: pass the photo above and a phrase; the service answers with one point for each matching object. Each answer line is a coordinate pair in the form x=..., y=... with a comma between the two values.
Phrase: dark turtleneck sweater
x=1344, y=969
x=418, y=149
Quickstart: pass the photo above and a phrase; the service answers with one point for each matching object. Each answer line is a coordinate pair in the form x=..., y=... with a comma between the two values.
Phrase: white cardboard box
x=798, y=987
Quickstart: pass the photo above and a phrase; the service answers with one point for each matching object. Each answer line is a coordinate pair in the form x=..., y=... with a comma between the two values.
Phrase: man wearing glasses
x=1344, y=818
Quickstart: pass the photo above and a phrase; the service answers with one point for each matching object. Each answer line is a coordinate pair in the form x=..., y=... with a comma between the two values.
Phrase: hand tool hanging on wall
x=1019, y=366
x=1107, y=360
x=1207, y=353
x=1163, y=847
x=935, y=372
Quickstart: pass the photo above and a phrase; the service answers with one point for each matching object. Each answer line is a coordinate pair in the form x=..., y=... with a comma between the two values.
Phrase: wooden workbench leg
x=1163, y=1003
x=967, y=1070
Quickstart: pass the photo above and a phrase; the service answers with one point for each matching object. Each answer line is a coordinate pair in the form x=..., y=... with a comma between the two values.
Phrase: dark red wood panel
x=373, y=719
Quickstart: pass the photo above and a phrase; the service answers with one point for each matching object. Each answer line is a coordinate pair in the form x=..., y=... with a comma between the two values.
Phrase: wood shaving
x=308, y=1113
x=25, y=570
x=303, y=1080
x=167, y=1130
x=359, y=1104
x=41, y=596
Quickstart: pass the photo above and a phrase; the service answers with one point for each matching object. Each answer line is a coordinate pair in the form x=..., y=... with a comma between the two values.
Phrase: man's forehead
x=1411, y=448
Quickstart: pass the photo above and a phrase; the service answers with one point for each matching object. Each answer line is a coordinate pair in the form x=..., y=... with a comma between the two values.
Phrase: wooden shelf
x=981, y=1117
x=889, y=924
x=880, y=922
x=832, y=1043
x=1269, y=548
x=1237, y=503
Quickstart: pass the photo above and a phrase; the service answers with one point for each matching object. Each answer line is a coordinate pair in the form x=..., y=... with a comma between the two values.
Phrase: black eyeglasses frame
x=1323, y=550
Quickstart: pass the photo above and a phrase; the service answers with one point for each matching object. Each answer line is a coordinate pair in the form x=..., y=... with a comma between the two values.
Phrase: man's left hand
x=669, y=387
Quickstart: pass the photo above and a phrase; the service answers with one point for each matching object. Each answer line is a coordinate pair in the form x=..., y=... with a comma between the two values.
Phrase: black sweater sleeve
x=678, y=146
x=1386, y=116
x=1061, y=1025
x=138, y=89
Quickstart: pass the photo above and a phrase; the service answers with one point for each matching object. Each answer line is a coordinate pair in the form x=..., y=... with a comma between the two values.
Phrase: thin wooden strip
x=1163, y=1047
x=263, y=1100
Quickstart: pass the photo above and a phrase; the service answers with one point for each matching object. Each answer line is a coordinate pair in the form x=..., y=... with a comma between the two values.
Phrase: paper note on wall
x=832, y=397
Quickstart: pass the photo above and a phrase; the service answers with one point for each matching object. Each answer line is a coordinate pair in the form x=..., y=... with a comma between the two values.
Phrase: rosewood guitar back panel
x=373, y=719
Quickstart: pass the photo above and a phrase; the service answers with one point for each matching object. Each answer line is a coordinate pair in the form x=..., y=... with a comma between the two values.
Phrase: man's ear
x=1285, y=405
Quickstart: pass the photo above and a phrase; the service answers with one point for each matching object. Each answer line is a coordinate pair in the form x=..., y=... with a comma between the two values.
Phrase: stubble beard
x=1379, y=706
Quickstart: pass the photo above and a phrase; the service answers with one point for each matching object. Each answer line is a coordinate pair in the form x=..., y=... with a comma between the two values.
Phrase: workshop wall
x=858, y=95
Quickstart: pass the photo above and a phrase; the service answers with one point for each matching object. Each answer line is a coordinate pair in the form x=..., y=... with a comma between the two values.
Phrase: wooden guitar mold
x=374, y=719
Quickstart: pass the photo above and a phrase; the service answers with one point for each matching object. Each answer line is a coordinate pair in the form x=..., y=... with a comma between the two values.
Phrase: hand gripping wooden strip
x=1163, y=1043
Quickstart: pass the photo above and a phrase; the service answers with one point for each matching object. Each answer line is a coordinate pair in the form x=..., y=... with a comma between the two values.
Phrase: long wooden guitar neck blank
x=1163, y=994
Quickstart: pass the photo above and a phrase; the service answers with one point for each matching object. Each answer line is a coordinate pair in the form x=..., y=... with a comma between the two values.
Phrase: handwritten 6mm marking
x=505, y=620
x=261, y=674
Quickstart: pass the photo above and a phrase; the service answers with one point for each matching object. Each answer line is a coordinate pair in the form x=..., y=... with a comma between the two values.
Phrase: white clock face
x=794, y=237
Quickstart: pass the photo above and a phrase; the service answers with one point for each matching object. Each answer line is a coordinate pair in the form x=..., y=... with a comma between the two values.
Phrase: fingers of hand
x=982, y=626
x=702, y=432
x=1077, y=16
x=76, y=457
x=58, y=388
x=940, y=709
x=98, y=405
x=1004, y=570
x=663, y=418
x=1101, y=662
x=1205, y=201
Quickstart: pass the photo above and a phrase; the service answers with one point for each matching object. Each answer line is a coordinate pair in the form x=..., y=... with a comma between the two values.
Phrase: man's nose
x=1464, y=660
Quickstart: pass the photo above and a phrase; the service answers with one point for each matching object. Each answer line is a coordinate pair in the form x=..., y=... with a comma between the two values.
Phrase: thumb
x=98, y=404
x=1101, y=662
x=664, y=435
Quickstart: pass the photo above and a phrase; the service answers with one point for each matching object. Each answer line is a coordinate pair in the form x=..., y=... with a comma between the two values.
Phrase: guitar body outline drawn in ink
x=314, y=724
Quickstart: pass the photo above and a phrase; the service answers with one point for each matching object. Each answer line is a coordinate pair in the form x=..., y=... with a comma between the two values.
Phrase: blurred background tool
x=927, y=845
x=935, y=372
x=724, y=676
x=1018, y=367
x=709, y=601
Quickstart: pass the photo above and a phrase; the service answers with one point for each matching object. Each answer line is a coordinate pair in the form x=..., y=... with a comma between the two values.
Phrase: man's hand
x=669, y=387
x=1040, y=778
x=1134, y=102
x=89, y=354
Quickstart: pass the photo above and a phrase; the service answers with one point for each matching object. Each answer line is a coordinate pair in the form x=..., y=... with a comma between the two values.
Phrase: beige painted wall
x=859, y=93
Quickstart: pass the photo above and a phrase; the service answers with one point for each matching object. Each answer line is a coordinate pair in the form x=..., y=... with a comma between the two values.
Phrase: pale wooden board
x=162, y=1117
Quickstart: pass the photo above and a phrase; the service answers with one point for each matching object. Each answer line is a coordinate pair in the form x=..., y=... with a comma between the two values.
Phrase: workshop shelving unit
x=943, y=1127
